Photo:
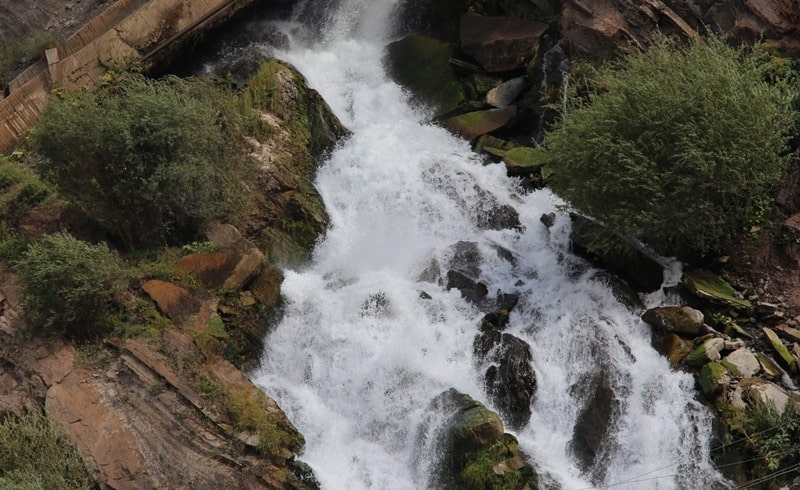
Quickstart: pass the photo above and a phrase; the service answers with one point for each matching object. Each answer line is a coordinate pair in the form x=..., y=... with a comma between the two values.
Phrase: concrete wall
x=128, y=32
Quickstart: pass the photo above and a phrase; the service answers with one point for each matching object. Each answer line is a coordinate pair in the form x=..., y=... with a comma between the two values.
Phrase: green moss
x=479, y=470
x=707, y=285
x=422, y=64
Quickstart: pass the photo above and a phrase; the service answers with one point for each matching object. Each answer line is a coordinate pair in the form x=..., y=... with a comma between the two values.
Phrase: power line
x=767, y=477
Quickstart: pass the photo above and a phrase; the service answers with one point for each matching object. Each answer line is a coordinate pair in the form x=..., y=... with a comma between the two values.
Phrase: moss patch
x=707, y=285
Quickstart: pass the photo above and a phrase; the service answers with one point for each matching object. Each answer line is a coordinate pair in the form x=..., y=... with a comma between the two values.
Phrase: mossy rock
x=709, y=286
x=705, y=352
x=422, y=64
x=498, y=467
x=785, y=357
x=714, y=377
x=474, y=124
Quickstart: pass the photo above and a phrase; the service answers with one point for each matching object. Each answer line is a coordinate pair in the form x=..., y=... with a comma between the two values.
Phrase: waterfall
x=367, y=342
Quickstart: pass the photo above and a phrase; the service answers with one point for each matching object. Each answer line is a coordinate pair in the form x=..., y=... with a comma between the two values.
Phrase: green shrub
x=19, y=50
x=70, y=285
x=149, y=159
x=247, y=407
x=773, y=436
x=35, y=454
x=677, y=147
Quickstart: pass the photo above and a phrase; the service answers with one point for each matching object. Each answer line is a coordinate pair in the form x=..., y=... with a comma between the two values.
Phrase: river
x=365, y=344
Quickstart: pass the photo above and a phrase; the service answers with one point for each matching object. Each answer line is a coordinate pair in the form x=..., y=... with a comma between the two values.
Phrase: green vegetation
x=20, y=50
x=70, y=285
x=478, y=472
x=35, y=455
x=773, y=436
x=247, y=407
x=148, y=159
x=680, y=147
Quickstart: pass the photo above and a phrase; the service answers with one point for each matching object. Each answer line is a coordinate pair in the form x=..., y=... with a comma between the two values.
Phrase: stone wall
x=126, y=33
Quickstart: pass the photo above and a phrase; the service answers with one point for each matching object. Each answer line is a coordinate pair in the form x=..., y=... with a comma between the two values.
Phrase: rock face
x=288, y=216
x=597, y=28
x=500, y=43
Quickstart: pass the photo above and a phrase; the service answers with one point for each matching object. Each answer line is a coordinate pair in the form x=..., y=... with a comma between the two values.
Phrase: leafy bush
x=17, y=51
x=149, y=159
x=35, y=454
x=70, y=285
x=677, y=147
x=773, y=436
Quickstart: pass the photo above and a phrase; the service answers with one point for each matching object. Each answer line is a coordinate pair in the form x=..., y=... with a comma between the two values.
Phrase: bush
x=70, y=285
x=678, y=147
x=20, y=50
x=149, y=159
x=35, y=454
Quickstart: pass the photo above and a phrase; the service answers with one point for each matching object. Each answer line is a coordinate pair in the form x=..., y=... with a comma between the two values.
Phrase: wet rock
x=548, y=219
x=511, y=383
x=500, y=43
x=470, y=426
x=266, y=287
x=708, y=286
x=621, y=291
x=771, y=370
x=675, y=319
x=465, y=257
x=473, y=124
x=595, y=419
x=709, y=350
x=422, y=65
x=745, y=362
x=642, y=271
x=506, y=93
x=671, y=346
x=471, y=290
x=499, y=217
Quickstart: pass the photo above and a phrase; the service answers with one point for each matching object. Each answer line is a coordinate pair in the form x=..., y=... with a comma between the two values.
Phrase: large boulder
x=511, y=382
x=470, y=125
x=595, y=419
x=189, y=307
x=422, y=65
x=675, y=319
x=708, y=286
x=500, y=43
x=624, y=258
x=474, y=452
x=671, y=346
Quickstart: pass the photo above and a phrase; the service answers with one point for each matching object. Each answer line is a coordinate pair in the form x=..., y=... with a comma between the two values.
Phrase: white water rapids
x=356, y=374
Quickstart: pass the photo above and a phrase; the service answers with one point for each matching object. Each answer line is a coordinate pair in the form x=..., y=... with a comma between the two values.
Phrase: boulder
x=785, y=357
x=769, y=394
x=675, y=319
x=500, y=43
x=189, y=307
x=707, y=351
x=422, y=65
x=715, y=377
x=473, y=124
x=266, y=287
x=511, y=383
x=744, y=361
x=507, y=92
x=498, y=217
x=469, y=426
x=600, y=408
x=641, y=270
x=673, y=347
x=708, y=286
x=522, y=161
x=471, y=290
x=771, y=370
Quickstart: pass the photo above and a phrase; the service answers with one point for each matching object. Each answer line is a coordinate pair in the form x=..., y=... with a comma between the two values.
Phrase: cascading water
x=361, y=352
